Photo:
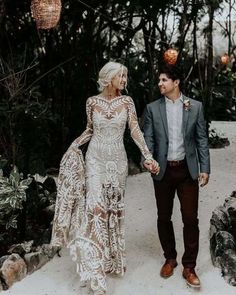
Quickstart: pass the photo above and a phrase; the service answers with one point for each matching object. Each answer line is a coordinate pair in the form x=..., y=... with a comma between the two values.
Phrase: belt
x=176, y=163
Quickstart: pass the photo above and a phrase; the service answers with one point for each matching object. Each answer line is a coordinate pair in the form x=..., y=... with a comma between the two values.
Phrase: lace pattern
x=98, y=247
x=70, y=203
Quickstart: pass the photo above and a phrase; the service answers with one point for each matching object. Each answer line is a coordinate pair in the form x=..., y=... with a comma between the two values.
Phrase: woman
x=96, y=223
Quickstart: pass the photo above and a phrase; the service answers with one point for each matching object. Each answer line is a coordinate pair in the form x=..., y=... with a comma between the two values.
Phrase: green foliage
x=216, y=140
x=40, y=195
x=47, y=75
x=22, y=208
x=219, y=100
x=26, y=119
x=12, y=196
x=3, y=162
x=226, y=77
x=224, y=95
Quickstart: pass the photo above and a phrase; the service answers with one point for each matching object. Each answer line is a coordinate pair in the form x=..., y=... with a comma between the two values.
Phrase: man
x=175, y=132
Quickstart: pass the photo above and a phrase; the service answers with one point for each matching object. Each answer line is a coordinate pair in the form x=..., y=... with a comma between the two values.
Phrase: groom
x=175, y=132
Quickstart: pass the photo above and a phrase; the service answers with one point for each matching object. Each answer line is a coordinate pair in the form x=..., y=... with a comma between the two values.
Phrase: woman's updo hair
x=108, y=72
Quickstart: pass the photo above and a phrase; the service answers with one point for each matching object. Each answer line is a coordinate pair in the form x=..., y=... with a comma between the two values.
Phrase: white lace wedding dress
x=97, y=243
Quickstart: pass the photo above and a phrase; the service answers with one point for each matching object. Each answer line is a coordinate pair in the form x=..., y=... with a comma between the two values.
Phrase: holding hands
x=152, y=166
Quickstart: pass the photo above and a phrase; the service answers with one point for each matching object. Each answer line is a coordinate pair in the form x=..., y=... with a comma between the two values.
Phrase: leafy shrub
x=217, y=141
x=12, y=196
x=23, y=203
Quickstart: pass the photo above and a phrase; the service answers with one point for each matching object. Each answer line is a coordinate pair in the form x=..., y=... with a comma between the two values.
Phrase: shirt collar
x=177, y=100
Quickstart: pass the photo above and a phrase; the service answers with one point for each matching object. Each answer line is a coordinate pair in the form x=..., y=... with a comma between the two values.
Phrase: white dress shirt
x=174, y=113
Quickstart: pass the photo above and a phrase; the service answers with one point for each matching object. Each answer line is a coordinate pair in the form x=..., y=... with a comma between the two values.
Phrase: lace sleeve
x=135, y=130
x=88, y=132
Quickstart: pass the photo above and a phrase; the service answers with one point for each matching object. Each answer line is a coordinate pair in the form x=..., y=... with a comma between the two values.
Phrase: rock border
x=223, y=238
x=24, y=259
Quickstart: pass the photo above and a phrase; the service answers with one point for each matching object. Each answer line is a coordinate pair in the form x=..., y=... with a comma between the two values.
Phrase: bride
x=90, y=207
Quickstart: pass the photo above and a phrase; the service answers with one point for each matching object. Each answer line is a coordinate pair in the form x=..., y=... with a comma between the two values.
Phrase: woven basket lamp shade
x=46, y=13
x=170, y=56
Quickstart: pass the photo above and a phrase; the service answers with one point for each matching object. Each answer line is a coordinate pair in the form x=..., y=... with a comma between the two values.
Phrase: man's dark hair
x=173, y=72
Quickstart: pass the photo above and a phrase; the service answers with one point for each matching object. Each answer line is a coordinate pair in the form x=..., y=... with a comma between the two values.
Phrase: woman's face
x=120, y=80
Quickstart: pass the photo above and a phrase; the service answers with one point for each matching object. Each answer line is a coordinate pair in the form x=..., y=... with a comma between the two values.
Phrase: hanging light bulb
x=46, y=13
x=170, y=56
x=225, y=59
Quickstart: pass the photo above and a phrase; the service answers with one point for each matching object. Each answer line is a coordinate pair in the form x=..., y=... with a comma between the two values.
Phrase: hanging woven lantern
x=170, y=56
x=46, y=13
x=225, y=59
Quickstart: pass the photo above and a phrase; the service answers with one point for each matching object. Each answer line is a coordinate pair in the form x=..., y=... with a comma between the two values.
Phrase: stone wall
x=223, y=238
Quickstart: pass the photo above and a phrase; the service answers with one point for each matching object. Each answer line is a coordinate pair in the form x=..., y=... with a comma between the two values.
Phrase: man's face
x=166, y=85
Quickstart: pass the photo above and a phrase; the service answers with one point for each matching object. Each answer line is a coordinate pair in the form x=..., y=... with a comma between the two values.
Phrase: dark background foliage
x=47, y=75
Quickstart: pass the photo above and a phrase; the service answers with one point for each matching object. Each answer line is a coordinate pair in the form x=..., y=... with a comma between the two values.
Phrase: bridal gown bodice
x=106, y=125
x=99, y=245
x=106, y=160
x=106, y=153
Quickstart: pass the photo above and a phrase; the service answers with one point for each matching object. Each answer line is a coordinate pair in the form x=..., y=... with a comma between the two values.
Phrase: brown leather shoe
x=167, y=269
x=191, y=278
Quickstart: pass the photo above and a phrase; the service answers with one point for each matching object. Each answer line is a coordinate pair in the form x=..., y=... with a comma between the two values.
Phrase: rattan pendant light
x=46, y=13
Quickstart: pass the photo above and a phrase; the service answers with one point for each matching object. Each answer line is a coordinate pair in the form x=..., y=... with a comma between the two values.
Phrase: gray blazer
x=194, y=131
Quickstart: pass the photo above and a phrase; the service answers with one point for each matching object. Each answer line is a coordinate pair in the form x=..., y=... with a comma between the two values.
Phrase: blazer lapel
x=162, y=106
x=185, y=118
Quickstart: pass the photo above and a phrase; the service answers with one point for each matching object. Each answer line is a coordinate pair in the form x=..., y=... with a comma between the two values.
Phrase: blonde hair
x=108, y=72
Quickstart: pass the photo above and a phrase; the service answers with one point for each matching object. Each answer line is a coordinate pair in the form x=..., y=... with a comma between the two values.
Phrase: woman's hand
x=152, y=166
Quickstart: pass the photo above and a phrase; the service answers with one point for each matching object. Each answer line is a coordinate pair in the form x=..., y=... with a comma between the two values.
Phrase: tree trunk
x=209, y=73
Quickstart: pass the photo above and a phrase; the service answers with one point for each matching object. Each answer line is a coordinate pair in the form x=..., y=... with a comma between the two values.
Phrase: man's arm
x=202, y=148
x=153, y=167
x=148, y=129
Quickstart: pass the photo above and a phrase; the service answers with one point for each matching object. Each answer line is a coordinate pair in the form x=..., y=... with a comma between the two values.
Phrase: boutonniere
x=186, y=104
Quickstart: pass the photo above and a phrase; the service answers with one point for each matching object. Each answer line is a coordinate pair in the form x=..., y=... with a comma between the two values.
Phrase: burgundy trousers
x=178, y=180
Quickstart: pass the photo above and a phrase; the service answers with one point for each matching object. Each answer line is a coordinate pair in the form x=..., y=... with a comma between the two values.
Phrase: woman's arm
x=135, y=130
x=88, y=132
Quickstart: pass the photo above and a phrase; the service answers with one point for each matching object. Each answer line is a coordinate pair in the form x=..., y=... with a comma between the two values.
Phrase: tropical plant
x=12, y=197
x=217, y=140
x=26, y=208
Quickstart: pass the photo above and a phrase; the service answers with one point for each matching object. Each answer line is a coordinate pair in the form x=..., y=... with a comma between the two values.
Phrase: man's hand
x=152, y=166
x=203, y=179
